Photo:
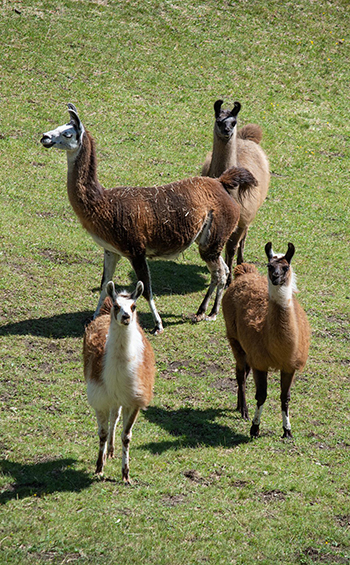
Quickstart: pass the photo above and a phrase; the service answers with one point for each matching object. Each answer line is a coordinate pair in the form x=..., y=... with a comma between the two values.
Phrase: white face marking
x=64, y=137
x=125, y=315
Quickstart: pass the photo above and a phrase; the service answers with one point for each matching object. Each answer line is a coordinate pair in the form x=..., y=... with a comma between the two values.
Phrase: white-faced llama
x=232, y=148
x=119, y=370
x=154, y=222
x=267, y=329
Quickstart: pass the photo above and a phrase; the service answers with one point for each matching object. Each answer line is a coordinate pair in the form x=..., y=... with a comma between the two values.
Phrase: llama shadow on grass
x=192, y=428
x=72, y=325
x=38, y=479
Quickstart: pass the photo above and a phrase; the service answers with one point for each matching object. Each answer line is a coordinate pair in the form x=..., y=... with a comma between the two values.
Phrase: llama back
x=252, y=132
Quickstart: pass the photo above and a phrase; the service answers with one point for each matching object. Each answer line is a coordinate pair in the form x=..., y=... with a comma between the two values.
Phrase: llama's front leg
x=102, y=421
x=109, y=264
x=260, y=378
x=114, y=415
x=142, y=271
x=241, y=376
x=241, y=248
x=286, y=383
x=129, y=418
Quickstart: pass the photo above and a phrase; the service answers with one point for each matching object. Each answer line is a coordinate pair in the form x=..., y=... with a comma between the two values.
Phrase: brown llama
x=153, y=222
x=232, y=148
x=267, y=329
x=119, y=370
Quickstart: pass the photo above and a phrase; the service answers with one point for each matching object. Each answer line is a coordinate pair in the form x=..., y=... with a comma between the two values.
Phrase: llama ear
x=268, y=250
x=110, y=288
x=217, y=107
x=236, y=108
x=138, y=291
x=291, y=250
x=73, y=112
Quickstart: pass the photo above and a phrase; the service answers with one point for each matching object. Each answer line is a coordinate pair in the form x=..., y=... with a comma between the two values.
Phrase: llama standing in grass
x=232, y=148
x=119, y=370
x=154, y=222
x=267, y=329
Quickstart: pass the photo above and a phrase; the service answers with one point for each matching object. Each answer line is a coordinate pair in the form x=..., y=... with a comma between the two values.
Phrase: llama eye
x=286, y=268
x=68, y=135
x=116, y=307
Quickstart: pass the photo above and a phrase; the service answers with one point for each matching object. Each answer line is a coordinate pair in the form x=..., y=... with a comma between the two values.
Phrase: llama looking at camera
x=232, y=148
x=150, y=222
x=119, y=370
x=267, y=329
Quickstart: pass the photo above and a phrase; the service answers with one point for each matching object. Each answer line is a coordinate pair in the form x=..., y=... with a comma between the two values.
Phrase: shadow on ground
x=191, y=428
x=55, y=475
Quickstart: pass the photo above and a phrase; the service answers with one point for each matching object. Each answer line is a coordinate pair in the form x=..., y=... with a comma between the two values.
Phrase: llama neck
x=281, y=317
x=224, y=154
x=84, y=190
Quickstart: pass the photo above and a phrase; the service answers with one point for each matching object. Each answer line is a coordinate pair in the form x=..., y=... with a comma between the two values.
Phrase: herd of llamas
x=266, y=326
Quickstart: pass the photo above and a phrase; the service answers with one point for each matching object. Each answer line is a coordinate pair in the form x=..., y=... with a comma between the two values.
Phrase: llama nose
x=125, y=319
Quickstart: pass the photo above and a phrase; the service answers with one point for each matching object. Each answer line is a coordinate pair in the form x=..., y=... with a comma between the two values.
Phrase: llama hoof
x=254, y=431
x=211, y=318
x=287, y=434
x=244, y=413
x=198, y=317
x=157, y=330
x=110, y=453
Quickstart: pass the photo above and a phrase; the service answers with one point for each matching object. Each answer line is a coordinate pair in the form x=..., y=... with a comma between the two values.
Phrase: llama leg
x=286, y=383
x=109, y=264
x=222, y=277
x=114, y=415
x=142, y=271
x=242, y=371
x=129, y=418
x=241, y=376
x=218, y=271
x=260, y=378
x=102, y=421
x=230, y=250
x=241, y=248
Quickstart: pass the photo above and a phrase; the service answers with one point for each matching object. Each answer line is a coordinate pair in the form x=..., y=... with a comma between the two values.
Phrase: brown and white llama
x=119, y=370
x=232, y=148
x=154, y=222
x=267, y=329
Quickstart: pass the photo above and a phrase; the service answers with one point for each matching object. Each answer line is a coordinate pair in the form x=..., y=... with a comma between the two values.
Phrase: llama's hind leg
x=109, y=264
x=231, y=248
x=129, y=418
x=260, y=378
x=242, y=371
x=286, y=383
x=142, y=271
x=219, y=271
x=114, y=415
x=102, y=421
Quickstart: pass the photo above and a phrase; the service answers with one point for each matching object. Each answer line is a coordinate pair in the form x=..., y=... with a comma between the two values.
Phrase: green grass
x=144, y=77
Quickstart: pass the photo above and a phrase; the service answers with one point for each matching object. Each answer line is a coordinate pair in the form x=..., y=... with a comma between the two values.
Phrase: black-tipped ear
x=138, y=291
x=217, y=107
x=110, y=288
x=236, y=108
x=268, y=250
x=73, y=112
x=291, y=250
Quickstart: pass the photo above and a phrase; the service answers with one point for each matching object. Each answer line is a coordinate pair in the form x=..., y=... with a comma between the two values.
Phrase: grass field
x=144, y=76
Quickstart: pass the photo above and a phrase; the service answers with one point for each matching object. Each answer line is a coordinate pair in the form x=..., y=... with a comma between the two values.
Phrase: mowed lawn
x=144, y=76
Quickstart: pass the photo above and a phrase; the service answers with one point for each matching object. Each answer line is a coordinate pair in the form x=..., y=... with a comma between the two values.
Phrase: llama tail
x=253, y=132
x=243, y=269
x=238, y=178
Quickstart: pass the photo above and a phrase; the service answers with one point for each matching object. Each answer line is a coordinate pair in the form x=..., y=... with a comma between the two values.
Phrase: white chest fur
x=124, y=351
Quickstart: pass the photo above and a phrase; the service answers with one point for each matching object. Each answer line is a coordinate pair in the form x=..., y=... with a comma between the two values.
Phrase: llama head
x=225, y=120
x=280, y=272
x=67, y=137
x=124, y=304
